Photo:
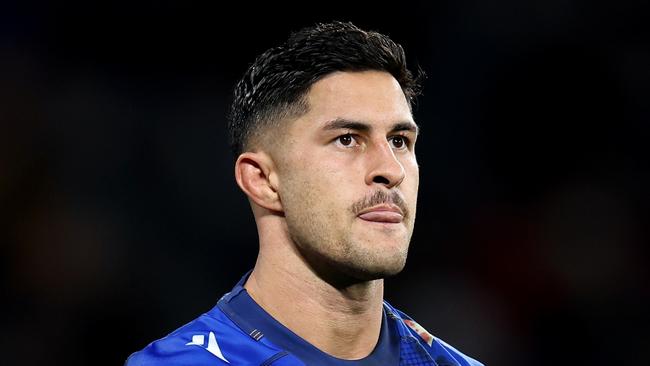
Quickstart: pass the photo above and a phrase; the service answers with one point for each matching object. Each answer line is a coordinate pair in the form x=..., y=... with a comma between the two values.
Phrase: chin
x=342, y=274
x=376, y=271
x=358, y=263
x=384, y=261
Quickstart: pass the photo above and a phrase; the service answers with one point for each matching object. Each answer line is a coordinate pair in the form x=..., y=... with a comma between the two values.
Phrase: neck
x=343, y=321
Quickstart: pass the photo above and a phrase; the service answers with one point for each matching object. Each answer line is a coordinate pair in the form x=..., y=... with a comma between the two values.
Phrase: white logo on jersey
x=213, y=346
x=197, y=340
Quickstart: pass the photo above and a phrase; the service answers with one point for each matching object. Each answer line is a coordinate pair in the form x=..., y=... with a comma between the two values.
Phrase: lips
x=383, y=214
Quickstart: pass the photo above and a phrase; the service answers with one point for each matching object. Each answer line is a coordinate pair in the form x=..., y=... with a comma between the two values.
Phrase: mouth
x=386, y=213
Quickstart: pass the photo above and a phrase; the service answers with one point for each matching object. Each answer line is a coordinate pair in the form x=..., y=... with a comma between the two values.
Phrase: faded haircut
x=275, y=85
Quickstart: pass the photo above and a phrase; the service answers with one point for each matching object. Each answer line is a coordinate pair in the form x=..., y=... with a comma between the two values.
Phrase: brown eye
x=398, y=142
x=345, y=140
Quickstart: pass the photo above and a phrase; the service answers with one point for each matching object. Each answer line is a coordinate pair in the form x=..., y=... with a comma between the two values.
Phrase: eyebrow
x=341, y=123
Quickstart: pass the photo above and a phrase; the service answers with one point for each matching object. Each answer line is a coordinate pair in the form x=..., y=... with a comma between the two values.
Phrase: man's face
x=348, y=177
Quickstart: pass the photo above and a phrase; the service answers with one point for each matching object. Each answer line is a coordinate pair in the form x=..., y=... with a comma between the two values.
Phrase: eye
x=346, y=140
x=398, y=142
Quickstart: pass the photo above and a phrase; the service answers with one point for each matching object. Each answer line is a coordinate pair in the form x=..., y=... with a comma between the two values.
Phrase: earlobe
x=255, y=175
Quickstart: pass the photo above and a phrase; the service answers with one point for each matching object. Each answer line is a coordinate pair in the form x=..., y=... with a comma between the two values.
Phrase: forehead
x=372, y=96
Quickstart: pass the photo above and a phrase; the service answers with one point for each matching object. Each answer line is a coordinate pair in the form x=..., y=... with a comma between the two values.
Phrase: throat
x=342, y=322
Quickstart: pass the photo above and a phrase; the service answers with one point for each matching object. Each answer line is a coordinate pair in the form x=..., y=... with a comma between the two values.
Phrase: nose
x=383, y=166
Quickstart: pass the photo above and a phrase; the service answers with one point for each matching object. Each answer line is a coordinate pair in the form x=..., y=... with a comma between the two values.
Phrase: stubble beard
x=337, y=251
x=348, y=259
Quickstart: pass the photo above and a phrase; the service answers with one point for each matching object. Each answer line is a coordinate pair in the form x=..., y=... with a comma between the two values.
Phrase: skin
x=334, y=199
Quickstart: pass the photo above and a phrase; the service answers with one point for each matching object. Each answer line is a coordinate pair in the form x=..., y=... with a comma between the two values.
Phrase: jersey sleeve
x=208, y=341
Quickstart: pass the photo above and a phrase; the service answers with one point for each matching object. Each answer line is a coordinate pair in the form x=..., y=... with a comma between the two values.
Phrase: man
x=325, y=139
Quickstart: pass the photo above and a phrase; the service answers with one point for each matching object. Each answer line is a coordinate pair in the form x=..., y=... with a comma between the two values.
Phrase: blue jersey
x=237, y=331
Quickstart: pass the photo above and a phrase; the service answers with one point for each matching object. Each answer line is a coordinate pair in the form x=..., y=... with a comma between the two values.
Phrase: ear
x=256, y=176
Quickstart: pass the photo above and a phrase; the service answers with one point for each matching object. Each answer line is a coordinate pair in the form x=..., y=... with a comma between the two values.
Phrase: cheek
x=302, y=190
x=410, y=186
x=412, y=171
x=319, y=192
x=323, y=171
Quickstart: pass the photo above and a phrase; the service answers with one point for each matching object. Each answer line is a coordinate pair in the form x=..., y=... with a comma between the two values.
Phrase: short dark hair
x=275, y=85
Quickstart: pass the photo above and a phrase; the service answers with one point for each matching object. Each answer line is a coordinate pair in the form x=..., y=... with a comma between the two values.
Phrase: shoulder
x=211, y=339
x=457, y=355
x=434, y=346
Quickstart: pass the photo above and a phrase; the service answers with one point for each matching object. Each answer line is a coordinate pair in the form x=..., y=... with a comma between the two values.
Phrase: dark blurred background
x=120, y=219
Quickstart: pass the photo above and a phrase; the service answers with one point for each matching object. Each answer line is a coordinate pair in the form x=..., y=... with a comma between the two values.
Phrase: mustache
x=378, y=198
